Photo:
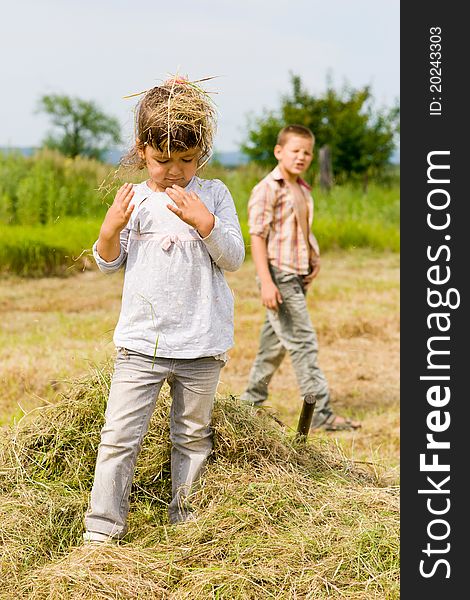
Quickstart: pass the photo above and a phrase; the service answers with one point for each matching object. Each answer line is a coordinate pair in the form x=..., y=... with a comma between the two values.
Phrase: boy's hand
x=119, y=212
x=270, y=295
x=190, y=209
x=307, y=279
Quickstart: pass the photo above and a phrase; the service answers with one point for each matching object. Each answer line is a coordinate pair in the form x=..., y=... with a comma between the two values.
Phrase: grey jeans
x=290, y=330
x=135, y=386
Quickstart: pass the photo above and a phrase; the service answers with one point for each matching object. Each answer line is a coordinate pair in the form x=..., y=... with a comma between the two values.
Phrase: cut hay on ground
x=275, y=519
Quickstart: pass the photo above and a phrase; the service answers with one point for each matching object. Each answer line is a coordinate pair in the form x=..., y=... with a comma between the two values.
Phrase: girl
x=176, y=234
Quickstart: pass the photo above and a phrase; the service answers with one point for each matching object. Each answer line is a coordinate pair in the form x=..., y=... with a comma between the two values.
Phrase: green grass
x=51, y=209
x=55, y=249
x=349, y=233
x=348, y=217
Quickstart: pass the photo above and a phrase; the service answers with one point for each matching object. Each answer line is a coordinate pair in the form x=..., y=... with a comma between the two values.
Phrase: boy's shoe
x=337, y=423
x=94, y=537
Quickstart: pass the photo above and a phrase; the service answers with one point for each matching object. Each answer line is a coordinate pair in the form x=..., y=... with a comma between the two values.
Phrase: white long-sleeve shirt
x=175, y=300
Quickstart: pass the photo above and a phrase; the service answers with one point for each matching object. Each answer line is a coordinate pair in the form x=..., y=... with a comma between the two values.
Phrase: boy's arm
x=260, y=217
x=270, y=294
x=314, y=260
x=314, y=270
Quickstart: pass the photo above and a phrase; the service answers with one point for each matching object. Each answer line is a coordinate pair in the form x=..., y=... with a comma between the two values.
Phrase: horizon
x=225, y=157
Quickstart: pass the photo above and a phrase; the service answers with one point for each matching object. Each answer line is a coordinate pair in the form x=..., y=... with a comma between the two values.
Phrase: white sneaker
x=94, y=537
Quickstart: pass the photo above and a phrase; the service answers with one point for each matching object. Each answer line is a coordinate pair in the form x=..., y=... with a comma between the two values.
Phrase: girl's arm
x=110, y=250
x=220, y=231
x=225, y=242
x=107, y=266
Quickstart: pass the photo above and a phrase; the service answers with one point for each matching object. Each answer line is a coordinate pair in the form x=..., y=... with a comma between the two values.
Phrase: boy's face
x=164, y=171
x=295, y=155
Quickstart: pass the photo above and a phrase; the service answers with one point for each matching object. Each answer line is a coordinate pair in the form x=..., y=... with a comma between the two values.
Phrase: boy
x=287, y=259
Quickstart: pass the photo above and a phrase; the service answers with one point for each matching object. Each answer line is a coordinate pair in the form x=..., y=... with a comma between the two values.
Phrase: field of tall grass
x=51, y=208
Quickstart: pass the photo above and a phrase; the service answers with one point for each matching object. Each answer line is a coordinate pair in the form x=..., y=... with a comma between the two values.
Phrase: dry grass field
x=55, y=329
x=277, y=518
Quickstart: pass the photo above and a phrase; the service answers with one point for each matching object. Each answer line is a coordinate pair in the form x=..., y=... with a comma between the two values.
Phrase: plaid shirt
x=272, y=214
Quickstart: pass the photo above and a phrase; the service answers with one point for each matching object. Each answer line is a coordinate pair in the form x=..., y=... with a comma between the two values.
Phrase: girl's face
x=178, y=168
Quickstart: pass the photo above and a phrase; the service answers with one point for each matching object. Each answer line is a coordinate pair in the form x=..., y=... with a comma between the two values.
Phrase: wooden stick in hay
x=306, y=415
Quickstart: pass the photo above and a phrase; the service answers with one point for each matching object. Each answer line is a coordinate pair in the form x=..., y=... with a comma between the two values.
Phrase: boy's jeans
x=135, y=386
x=289, y=330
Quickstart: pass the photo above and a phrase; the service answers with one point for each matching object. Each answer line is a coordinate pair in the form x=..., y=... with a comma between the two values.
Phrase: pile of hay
x=276, y=519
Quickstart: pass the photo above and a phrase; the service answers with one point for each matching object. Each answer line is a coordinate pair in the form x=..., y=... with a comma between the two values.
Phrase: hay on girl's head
x=173, y=117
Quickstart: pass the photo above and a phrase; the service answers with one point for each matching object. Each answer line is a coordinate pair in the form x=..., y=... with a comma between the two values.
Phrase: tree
x=81, y=127
x=361, y=140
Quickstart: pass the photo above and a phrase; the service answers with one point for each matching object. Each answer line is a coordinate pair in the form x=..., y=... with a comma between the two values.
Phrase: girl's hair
x=174, y=116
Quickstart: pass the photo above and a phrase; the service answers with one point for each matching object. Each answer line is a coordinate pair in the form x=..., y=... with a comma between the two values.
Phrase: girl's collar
x=188, y=187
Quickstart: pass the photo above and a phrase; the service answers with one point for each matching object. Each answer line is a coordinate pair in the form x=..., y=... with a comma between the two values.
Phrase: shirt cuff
x=216, y=224
x=104, y=264
x=214, y=241
x=259, y=232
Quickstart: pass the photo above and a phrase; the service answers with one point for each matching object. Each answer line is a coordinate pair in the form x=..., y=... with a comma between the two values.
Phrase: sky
x=102, y=50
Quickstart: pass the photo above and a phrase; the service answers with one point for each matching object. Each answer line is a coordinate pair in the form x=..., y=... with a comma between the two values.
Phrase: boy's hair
x=175, y=116
x=294, y=130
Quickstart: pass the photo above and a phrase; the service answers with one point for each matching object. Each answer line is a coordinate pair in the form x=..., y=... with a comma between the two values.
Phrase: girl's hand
x=119, y=212
x=190, y=209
